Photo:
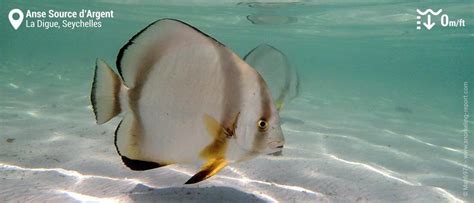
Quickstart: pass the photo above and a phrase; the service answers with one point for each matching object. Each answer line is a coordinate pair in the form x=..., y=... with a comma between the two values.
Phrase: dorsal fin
x=145, y=47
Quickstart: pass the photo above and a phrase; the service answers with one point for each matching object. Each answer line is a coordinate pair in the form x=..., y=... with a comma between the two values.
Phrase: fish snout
x=275, y=140
x=275, y=148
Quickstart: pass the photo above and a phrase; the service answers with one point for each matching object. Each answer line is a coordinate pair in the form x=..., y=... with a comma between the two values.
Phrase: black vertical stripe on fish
x=265, y=99
x=230, y=112
x=232, y=91
x=266, y=114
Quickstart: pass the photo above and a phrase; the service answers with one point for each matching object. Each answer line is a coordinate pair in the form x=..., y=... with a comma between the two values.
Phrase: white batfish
x=276, y=70
x=185, y=98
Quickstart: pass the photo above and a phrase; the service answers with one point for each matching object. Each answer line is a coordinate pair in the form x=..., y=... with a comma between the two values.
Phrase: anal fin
x=208, y=169
x=128, y=143
x=138, y=165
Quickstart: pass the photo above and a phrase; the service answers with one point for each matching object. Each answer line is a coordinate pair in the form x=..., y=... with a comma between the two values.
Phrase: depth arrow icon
x=429, y=24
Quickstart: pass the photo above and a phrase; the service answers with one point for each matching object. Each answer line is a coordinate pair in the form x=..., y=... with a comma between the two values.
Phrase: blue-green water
x=379, y=117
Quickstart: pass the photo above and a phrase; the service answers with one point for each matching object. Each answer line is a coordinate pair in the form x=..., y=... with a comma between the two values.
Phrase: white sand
x=331, y=155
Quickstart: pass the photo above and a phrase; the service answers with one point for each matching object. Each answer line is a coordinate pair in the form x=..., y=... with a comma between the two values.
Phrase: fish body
x=185, y=98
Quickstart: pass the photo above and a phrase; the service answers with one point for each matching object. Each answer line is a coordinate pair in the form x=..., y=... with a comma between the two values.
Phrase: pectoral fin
x=279, y=104
x=220, y=134
x=214, y=153
x=207, y=170
x=213, y=127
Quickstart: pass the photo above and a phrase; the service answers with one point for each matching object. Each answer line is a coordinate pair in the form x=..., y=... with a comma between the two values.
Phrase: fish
x=270, y=5
x=271, y=19
x=402, y=109
x=270, y=13
x=184, y=98
x=281, y=77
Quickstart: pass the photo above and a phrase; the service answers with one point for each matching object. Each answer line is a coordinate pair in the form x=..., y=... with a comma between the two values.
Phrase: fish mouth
x=277, y=153
x=276, y=144
x=275, y=148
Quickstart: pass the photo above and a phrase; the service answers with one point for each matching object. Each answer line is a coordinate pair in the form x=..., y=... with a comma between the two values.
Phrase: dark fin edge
x=209, y=169
x=92, y=97
x=198, y=177
x=250, y=52
x=115, y=88
x=138, y=165
x=130, y=41
x=133, y=164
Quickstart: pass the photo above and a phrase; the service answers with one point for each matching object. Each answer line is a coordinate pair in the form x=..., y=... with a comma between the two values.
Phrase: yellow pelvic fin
x=220, y=133
x=279, y=105
x=280, y=102
x=214, y=153
x=209, y=169
x=213, y=127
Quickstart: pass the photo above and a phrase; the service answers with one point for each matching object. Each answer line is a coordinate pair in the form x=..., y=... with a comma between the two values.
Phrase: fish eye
x=262, y=124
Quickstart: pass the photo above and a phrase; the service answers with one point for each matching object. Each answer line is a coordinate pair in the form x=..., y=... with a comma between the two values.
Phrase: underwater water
x=379, y=116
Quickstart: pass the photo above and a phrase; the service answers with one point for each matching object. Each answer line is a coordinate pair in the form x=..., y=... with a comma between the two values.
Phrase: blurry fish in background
x=266, y=19
x=185, y=98
x=280, y=76
x=263, y=4
x=270, y=13
x=402, y=109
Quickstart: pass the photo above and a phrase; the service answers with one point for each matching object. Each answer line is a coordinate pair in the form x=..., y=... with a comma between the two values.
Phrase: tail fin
x=105, y=93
